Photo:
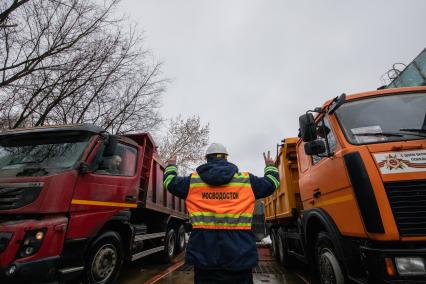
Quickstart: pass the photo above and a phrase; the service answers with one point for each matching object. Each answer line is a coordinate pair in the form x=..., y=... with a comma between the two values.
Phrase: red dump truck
x=77, y=202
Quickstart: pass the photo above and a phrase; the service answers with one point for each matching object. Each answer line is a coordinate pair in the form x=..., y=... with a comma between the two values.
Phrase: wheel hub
x=104, y=263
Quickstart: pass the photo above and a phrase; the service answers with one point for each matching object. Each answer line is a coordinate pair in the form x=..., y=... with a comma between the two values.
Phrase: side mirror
x=84, y=168
x=111, y=145
x=308, y=129
x=315, y=147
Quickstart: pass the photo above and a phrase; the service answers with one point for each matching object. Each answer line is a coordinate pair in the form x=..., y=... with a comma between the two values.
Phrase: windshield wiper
x=419, y=130
x=386, y=134
x=390, y=134
x=32, y=171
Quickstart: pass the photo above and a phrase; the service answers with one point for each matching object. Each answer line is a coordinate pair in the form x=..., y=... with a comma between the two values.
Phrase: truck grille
x=15, y=195
x=408, y=203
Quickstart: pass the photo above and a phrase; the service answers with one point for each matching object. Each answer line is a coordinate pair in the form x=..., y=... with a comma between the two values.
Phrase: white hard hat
x=216, y=148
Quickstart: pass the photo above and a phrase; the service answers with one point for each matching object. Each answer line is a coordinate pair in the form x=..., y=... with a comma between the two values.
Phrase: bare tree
x=72, y=61
x=186, y=138
x=6, y=8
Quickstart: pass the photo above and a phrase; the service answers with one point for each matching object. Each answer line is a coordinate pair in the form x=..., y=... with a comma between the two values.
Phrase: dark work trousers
x=204, y=276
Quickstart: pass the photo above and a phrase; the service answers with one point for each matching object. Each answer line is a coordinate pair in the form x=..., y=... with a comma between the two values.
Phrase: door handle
x=317, y=193
x=131, y=198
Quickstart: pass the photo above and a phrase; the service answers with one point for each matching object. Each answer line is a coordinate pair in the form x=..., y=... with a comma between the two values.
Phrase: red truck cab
x=77, y=201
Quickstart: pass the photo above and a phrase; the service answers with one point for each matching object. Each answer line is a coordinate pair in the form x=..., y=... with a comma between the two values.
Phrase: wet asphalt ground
x=150, y=270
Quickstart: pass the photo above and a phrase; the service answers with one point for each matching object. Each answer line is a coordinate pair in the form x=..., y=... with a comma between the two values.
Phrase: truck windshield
x=40, y=153
x=384, y=119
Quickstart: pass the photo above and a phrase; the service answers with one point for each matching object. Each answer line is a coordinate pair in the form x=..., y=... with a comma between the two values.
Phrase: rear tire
x=274, y=243
x=284, y=257
x=104, y=260
x=169, y=245
x=180, y=239
x=328, y=266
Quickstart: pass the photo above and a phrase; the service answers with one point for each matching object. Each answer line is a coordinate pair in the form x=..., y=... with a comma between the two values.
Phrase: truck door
x=331, y=188
x=114, y=182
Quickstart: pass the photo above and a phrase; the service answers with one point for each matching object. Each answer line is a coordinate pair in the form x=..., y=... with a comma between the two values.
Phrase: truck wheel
x=181, y=239
x=273, y=235
x=105, y=258
x=328, y=266
x=284, y=257
x=169, y=245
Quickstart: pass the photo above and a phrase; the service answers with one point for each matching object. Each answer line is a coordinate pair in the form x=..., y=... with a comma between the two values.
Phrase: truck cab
x=355, y=208
x=76, y=201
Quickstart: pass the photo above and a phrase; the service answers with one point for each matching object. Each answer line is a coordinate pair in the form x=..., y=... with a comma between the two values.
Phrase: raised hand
x=172, y=160
x=268, y=160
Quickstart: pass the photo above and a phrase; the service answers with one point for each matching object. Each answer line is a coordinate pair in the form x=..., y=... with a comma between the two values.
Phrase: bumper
x=36, y=271
x=43, y=261
x=375, y=265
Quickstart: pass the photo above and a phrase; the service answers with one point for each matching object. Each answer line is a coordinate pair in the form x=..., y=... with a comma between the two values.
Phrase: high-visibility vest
x=229, y=206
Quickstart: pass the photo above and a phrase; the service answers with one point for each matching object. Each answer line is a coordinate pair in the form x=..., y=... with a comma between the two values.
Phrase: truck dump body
x=151, y=193
x=284, y=204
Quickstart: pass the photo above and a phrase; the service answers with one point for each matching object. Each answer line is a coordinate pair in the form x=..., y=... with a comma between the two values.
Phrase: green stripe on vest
x=214, y=219
x=274, y=180
x=221, y=214
x=222, y=224
x=167, y=181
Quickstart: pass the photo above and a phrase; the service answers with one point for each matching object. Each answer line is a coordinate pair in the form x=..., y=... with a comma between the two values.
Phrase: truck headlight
x=410, y=266
x=31, y=242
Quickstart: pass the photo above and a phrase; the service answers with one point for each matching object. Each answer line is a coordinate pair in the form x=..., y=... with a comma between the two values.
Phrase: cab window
x=121, y=163
x=321, y=136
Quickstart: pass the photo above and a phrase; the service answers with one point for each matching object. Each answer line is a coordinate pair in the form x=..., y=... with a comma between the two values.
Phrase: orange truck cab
x=352, y=200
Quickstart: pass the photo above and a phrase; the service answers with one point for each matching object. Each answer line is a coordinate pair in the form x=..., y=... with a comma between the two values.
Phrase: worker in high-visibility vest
x=220, y=202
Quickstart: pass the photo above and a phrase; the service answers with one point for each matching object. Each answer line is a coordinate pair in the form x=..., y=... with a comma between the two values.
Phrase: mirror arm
x=329, y=153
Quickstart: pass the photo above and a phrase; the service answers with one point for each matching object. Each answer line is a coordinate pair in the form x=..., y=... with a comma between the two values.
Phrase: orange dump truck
x=352, y=200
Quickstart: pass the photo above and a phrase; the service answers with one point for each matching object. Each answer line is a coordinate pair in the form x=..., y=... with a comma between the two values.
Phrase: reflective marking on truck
x=339, y=199
x=103, y=203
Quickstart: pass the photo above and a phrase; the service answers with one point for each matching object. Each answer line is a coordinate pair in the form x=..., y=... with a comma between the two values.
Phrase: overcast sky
x=250, y=68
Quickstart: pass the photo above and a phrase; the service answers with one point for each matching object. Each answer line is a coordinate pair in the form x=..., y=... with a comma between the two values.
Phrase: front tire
x=328, y=266
x=104, y=260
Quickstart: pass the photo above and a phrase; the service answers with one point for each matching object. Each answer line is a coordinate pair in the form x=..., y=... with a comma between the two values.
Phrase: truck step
x=140, y=229
x=298, y=256
x=139, y=238
x=147, y=252
x=70, y=270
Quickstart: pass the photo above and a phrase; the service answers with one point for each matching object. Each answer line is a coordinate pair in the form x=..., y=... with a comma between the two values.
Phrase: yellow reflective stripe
x=220, y=214
x=167, y=181
x=222, y=224
x=103, y=203
x=244, y=175
x=225, y=185
x=239, y=175
x=340, y=199
x=274, y=180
